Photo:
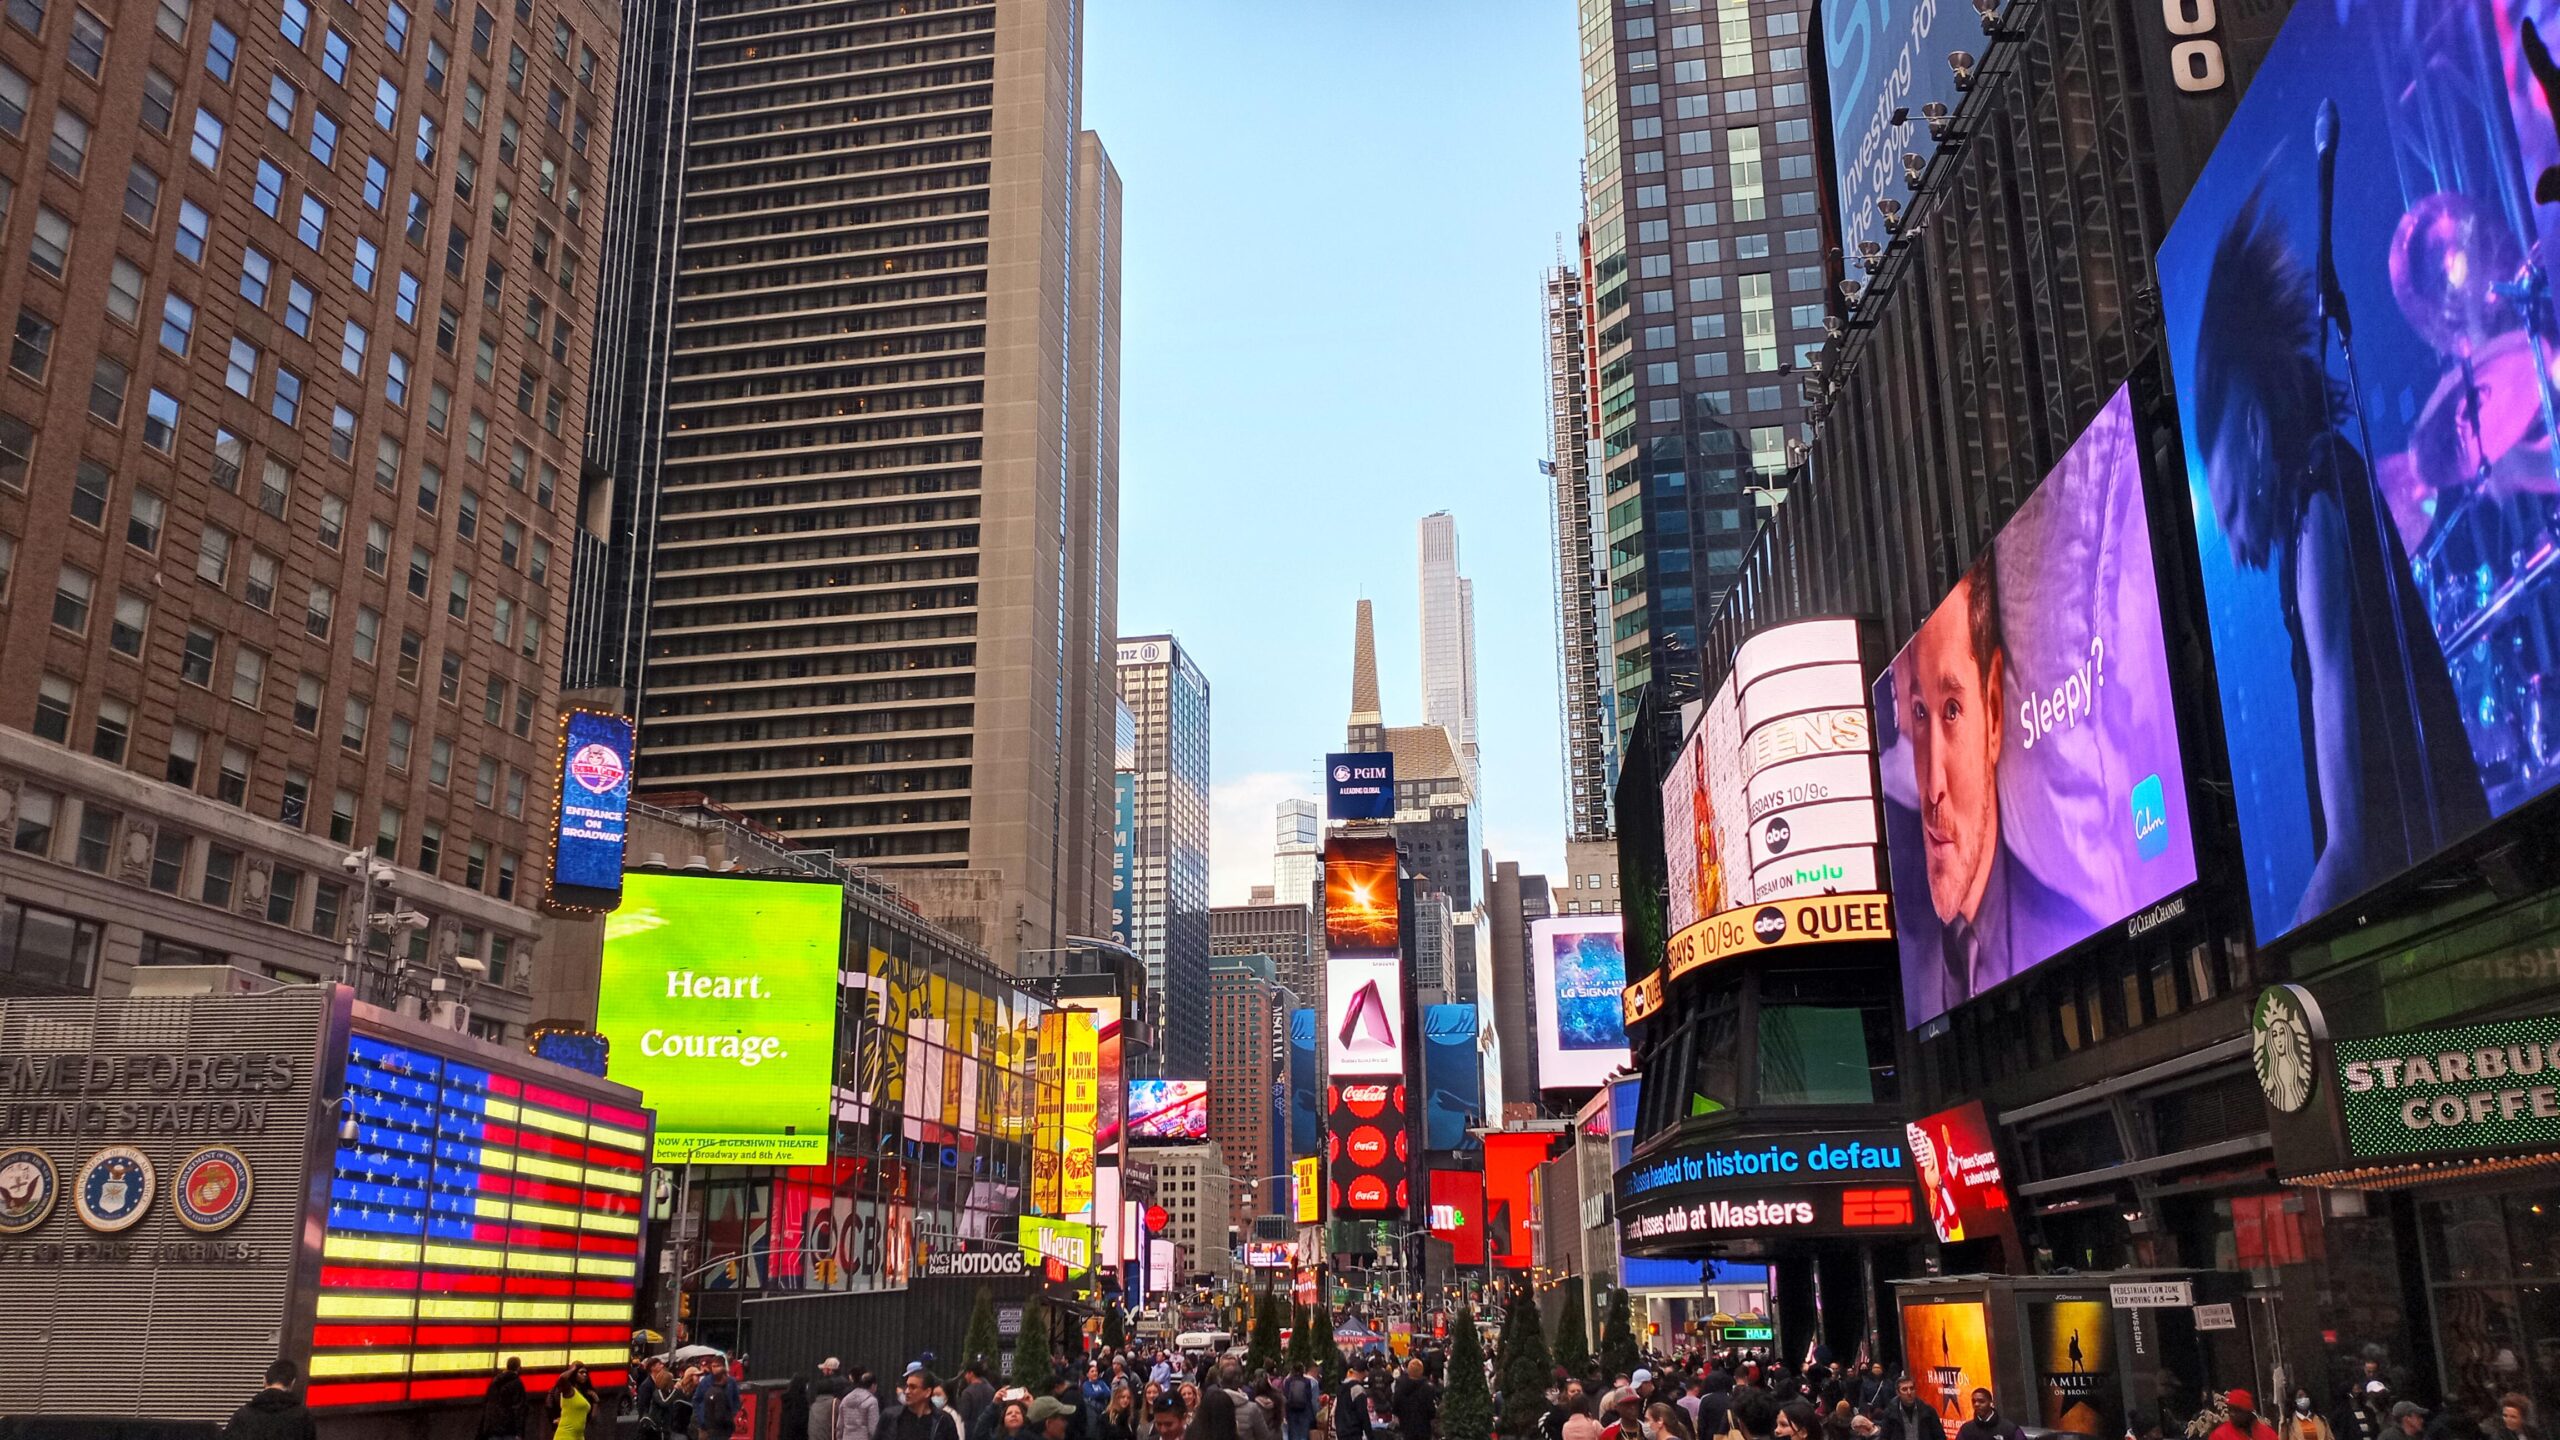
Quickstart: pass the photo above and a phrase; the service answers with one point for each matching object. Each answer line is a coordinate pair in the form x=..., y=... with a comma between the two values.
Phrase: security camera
x=382, y=872
x=353, y=862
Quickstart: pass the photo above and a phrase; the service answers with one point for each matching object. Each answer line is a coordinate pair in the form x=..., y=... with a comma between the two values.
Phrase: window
x=457, y=600
x=494, y=701
x=510, y=544
x=17, y=456
x=34, y=832
x=426, y=147
x=484, y=790
x=14, y=94
x=439, y=407
x=241, y=375
x=319, y=610
x=168, y=861
x=284, y=894
x=124, y=290
x=307, y=695
x=132, y=623
x=248, y=674
x=342, y=432
x=142, y=195
x=142, y=525
x=395, y=27
x=230, y=452
x=193, y=225
x=221, y=868
x=377, y=547
x=314, y=224
x=386, y=833
x=430, y=847
x=213, y=556
x=275, y=487
x=358, y=718
x=286, y=405
x=50, y=249
x=420, y=563
x=107, y=383
x=113, y=732
x=231, y=782
x=295, y=21
x=324, y=137
x=31, y=350
x=261, y=589
x=71, y=594
x=1751, y=247
x=1801, y=242
x=45, y=949
x=268, y=194
x=396, y=753
x=395, y=379
x=177, y=323
x=351, y=349
x=342, y=817
x=439, y=762
x=195, y=661
x=297, y=308
x=386, y=103
x=368, y=642
x=333, y=56
x=413, y=649
x=328, y=900
x=514, y=807
x=439, y=61
x=419, y=210
x=70, y=152
x=377, y=183
x=506, y=875
x=221, y=52
x=449, y=678
x=406, y=306
x=257, y=274
x=54, y=696
x=283, y=100
x=386, y=462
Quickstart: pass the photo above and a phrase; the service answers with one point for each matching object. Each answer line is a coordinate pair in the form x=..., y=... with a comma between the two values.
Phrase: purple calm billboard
x=2033, y=788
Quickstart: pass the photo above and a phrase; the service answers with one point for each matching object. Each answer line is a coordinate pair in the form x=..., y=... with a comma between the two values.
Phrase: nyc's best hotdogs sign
x=1770, y=829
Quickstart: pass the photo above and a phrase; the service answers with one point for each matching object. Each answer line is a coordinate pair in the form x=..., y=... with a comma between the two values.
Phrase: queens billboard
x=1578, y=966
x=718, y=998
x=2034, y=791
x=2378, y=572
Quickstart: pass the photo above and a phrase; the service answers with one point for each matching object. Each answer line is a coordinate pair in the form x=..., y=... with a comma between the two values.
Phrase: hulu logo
x=1818, y=874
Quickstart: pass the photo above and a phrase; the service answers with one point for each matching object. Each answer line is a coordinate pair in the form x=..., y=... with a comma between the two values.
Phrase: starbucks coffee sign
x=2460, y=1088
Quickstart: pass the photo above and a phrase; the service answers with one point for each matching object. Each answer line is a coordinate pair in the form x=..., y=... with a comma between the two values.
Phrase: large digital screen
x=2378, y=567
x=1169, y=1110
x=595, y=805
x=474, y=1218
x=1457, y=1213
x=1886, y=59
x=1452, y=1076
x=718, y=997
x=1772, y=796
x=1360, y=786
x=1511, y=1161
x=1306, y=1176
x=1368, y=1148
x=1124, y=853
x=1364, y=1016
x=2034, y=791
x=1578, y=968
x=1306, y=1083
x=1959, y=1171
x=1360, y=904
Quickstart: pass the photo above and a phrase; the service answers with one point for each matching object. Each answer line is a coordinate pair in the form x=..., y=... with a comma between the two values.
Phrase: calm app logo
x=2150, y=818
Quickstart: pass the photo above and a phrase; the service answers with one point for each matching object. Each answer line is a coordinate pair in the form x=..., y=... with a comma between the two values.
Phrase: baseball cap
x=2407, y=1408
x=831, y=1363
x=1045, y=1409
x=915, y=1367
x=1641, y=1376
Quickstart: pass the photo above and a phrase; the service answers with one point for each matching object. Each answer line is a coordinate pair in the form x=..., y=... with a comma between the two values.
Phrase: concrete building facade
x=1248, y=1079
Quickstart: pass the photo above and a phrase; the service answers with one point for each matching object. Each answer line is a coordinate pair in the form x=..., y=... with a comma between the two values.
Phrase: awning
x=2408, y=1175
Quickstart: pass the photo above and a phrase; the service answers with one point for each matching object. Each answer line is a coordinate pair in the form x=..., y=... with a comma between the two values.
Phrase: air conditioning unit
x=452, y=1015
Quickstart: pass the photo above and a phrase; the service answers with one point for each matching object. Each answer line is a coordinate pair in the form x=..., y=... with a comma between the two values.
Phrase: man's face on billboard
x=1951, y=710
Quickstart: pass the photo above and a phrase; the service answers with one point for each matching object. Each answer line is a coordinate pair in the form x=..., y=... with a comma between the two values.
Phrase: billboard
x=1360, y=786
x=1959, y=1171
x=2078, y=1390
x=1306, y=1084
x=1457, y=1213
x=1948, y=1353
x=595, y=808
x=718, y=1000
x=1364, y=1016
x=1578, y=967
x=1360, y=902
x=1306, y=1175
x=1111, y=1080
x=1886, y=57
x=1452, y=1076
x=1368, y=1148
x=1124, y=852
x=1772, y=796
x=1168, y=1110
x=2371, y=537
x=2034, y=790
x=1080, y=1111
x=1511, y=1161
x=1271, y=1254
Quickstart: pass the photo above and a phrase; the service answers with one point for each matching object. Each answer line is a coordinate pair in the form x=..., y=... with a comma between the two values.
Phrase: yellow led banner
x=1778, y=925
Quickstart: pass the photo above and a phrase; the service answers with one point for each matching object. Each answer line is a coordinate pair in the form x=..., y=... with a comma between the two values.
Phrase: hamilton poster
x=2077, y=1388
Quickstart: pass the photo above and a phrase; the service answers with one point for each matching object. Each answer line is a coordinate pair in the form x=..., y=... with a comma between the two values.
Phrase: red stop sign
x=1157, y=1219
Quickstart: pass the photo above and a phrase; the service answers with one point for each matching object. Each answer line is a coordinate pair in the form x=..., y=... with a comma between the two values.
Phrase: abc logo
x=1777, y=835
x=1770, y=924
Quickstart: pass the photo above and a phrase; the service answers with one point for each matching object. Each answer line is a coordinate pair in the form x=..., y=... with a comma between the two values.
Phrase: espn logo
x=1870, y=1209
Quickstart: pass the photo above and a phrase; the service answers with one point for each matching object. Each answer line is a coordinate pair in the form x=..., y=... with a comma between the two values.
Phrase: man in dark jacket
x=976, y=1393
x=1417, y=1403
x=1907, y=1417
x=274, y=1413
x=715, y=1405
x=502, y=1408
x=1988, y=1423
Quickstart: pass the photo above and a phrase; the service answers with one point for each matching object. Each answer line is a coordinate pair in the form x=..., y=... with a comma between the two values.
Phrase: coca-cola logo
x=1367, y=1147
x=1365, y=1101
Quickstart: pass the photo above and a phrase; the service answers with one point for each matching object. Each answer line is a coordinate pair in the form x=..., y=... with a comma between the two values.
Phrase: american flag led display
x=475, y=1216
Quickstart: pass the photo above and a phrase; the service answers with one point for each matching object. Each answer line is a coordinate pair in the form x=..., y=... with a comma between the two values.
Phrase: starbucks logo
x=2282, y=1028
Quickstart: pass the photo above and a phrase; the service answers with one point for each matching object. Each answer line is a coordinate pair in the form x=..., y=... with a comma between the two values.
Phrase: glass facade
x=1168, y=925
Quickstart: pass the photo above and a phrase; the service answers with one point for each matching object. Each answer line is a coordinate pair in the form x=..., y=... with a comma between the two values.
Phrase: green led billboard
x=719, y=1000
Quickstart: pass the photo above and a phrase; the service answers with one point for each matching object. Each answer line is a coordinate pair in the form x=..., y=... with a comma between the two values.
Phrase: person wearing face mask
x=2304, y=1422
x=2244, y=1423
x=1987, y=1422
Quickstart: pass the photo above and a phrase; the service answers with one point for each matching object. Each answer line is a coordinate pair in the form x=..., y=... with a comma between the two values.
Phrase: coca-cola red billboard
x=1368, y=1147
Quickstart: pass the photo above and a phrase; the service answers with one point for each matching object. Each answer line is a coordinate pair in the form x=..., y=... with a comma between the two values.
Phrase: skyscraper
x=1168, y=698
x=1705, y=287
x=1248, y=1077
x=288, y=446
x=885, y=521
x=1436, y=823
x=1587, y=693
x=1297, y=853
x=1285, y=932
x=1448, y=639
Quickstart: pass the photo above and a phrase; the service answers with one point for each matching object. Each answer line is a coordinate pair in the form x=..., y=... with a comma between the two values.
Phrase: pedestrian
x=2244, y=1423
x=1166, y=1417
x=573, y=1399
x=503, y=1404
x=1987, y=1422
x=2515, y=1420
x=794, y=1406
x=715, y=1402
x=917, y=1417
x=1797, y=1420
x=1120, y=1414
x=2304, y=1422
x=275, y=1412
x=1905, y=1417
x=2409, y=1418
x=1298, y=1401
x=1417, y=1403
x=858, y=1408
x=1050, y=1418
x=1840, y=1422
x=977, y=1392
x=1579, y=1423
x=1665, y=1421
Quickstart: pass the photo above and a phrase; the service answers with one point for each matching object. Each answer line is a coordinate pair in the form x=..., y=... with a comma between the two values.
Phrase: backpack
x=1300, y=1395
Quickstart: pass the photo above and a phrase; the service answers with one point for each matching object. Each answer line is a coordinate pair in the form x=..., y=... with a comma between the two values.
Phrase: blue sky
x=1338, y=216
